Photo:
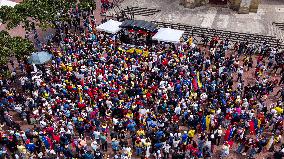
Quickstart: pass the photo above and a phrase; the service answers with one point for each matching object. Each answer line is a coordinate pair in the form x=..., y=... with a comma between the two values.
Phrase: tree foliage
x=42, y=12
x=13, y=46
x=29, y=13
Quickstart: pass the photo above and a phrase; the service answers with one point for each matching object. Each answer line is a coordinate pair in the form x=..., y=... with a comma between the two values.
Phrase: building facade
x=241, y=6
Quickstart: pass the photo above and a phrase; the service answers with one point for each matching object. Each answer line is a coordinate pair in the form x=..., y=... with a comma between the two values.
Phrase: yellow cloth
x=145, y=54
x=69, y=68
x=130, y=50
x=80, y=119
x=276, y=139
x=138, y=144
x=140, y=132
x=279, y=110
x=191, y=133
x=81, y=98
x=129, y=115
x=22, y=149
x=147, y=144
x=258, y=123
x=45, y=95
x=63, y=67
x=207, y=122
x=199, y=81
x=190, y=41
x=193, y=95
x=138, y=51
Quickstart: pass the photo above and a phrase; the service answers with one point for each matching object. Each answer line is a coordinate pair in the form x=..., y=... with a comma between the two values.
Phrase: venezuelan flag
x=231, y=134
x=80, y=95
x=195, y=83
x=258, y=123
x=145, y=54
x=138, y=51
x=45, y=141
x=198, y=80
x=207, y=122
x=228, y=133
x=82, y=82
x=130, y=50
x=251, y=127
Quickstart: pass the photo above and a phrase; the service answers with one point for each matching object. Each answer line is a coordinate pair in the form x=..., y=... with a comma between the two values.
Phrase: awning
x=168, y=35
x=139, y=24
x=110, y=26
x=7, y=3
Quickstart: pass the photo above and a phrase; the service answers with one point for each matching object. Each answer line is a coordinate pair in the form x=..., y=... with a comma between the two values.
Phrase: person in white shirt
x=218, y=133
x=166, y=150
x=175, y=143
x=94, y=145
x=225, y=150
x=240, y=74
x=178, y=110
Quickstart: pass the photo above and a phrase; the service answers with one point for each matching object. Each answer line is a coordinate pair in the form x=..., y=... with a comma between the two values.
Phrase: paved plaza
x=216, y=17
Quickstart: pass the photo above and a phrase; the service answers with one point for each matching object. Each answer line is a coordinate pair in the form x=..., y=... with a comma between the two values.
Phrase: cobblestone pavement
x=216, y=17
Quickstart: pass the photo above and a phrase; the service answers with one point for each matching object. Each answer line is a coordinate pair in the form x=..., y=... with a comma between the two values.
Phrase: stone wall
x=254, y=6
x=237, y=5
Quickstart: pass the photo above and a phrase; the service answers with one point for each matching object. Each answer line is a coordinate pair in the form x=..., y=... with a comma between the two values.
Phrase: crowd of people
x=102, y=98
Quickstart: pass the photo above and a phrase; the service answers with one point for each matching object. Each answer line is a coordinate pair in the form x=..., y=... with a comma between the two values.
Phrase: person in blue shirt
x=184, y=137
x=159, y=134
x=88, y=155
x=131, y=126
x=158, y=145
x=31, y=147
x=115, y=145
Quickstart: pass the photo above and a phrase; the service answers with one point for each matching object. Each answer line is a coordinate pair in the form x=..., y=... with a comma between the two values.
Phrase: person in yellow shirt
x=63, y=67
x=129, y=114
x=45, y=95
x=190, y=40
x=69, y=68
x=138, y=146
x=141, y=132
x=191, y=134
x=22, y=149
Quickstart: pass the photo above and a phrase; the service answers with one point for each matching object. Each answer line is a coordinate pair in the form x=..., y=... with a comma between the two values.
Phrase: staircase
x=132, y=11
x=223, y=34
x=278, y=31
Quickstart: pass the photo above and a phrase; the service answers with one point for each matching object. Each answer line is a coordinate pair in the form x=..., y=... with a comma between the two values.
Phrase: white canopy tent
x=7, y=3
x=110, y=26
x=168, y=35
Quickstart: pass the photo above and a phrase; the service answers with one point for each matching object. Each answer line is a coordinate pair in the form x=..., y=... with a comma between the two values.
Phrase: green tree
x=13, y=46
x=41, y=12
x=31, y=13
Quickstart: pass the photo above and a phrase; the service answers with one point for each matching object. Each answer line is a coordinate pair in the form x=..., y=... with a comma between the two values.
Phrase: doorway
x=218, y=2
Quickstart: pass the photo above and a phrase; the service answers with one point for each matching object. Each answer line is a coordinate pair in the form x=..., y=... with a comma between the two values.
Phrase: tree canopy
x=30, y=13
x=41, y=12
x=13, y=46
